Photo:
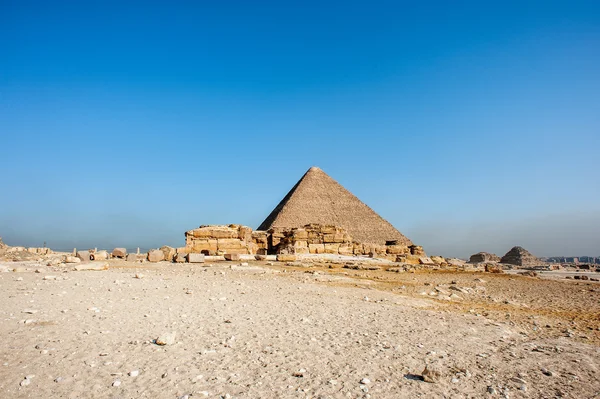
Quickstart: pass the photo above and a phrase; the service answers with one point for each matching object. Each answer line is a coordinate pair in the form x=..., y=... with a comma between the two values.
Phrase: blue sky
x=468, y=125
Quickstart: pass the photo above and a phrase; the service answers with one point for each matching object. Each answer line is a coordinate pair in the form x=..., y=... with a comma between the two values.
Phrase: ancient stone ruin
x=318, y=216
x=520, y=257
x=482, y=257
x=318, y=199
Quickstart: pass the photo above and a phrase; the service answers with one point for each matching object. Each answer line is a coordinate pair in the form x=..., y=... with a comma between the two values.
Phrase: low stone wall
x=219, y=240
x=310, y=239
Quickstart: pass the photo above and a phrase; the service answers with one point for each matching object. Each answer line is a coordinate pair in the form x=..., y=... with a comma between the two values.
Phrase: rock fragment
x=166, y=339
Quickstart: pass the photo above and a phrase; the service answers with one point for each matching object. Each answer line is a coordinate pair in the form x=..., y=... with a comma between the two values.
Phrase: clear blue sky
x=469, y=125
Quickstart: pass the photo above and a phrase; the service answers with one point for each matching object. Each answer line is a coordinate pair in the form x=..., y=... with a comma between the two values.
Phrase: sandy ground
x=262, y=331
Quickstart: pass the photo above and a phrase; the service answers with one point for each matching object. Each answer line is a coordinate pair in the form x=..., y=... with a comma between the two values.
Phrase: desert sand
x=263, y=330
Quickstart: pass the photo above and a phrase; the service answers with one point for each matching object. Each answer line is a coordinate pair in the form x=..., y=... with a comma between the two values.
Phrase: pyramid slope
x=317, y=198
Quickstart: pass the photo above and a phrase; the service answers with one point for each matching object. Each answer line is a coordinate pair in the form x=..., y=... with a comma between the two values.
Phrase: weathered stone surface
x=416, y=250
x=455, y=262
x=331, y=248
x=484, y=257
x=71, y=259
x=425, y=260
x=205, y=246
x=229, y=243
x=166, y=339
x=99, y=255
x=168, y=252
x=91, y=267
x=232, y=257
x=156, y=255
x=181, y=258
x=316, y=248
x=195, y=258
x=520, y=257
x=119, y=253
x=397, y=249
x=345, y=249
x=438, y=260
x=286, y=258
x=493, y=268
x=84, y=255
x=131, y=258
x=433, y=372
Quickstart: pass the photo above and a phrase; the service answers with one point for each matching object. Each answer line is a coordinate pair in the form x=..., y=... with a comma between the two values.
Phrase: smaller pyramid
x=519, y=256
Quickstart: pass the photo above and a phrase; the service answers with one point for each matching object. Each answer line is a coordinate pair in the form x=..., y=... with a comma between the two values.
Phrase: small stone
x=166, y=339
x=58, y=379
x=432, y=373
x=134, y=373
x=547, y=372
x=454, y=380
x=491, y=390
x=26, y=381
x=518, y=380
x=299, y=374
x=365, y=381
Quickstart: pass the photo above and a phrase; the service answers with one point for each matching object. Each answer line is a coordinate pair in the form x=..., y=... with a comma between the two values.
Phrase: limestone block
x=316, y=248
x=438, y=260
x=286, y=258
x=300, y=234
x=168, y=252
x=328, y=229
x=156, y=255
x=301, y=250
x=346, y=249
x=276, y=239
x=332, y=248
x=334, y=238
x=245, y=233
x=416, y=250
x=99, y=255
x=229, y=243
x=425, y=260
x=203, y=246
x=239, y=251
x=71, y=259
x=183, y=250
x=32, y=250
x=493, y=268
x=84, y=255
x=260, y=238
x=455, y=262
x=180, y=257
x=232, y=257
x=119, y=253
x=195, y=258
x=397, y=249
x=131, y=258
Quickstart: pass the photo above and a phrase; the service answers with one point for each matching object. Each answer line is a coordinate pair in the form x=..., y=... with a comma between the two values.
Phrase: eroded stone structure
x=520, y=257
x=310, y=239
x=481, y=257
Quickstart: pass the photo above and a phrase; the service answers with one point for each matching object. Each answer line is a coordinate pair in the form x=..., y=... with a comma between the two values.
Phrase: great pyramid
x=317, y=198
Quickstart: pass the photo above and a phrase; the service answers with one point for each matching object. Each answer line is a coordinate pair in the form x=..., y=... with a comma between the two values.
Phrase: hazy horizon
x=468, y=126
